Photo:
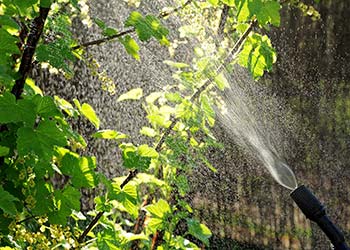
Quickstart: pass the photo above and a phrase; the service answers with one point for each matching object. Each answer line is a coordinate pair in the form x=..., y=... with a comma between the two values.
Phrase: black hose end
x=315, y=211
x=308, y=203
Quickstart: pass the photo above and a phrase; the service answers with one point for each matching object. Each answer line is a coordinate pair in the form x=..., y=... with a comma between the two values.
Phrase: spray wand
x=315, y=211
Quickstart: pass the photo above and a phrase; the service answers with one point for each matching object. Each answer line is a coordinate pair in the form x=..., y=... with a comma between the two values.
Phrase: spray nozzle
x=315, y=211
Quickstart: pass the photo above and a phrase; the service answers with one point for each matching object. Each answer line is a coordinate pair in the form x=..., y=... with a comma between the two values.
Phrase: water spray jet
x=315, y=211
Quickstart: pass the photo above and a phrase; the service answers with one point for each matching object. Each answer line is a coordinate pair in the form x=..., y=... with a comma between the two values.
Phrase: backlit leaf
x=90, y=114
x=131, y=46
x=109, y=134
x=147, y=27
x=134, y=94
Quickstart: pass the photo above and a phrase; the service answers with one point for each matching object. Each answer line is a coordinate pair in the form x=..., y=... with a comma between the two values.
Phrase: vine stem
x=81, y=238
x=223, y=19
x=133, y=173
x=128, y=31
x=36, y=29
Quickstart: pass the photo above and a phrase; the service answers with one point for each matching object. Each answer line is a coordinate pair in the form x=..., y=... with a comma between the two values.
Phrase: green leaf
x=154, y=96
x=198, y=230
x=101, y=24
x=182, y=184
x=257, y=55
x=214, y=2
x=159, y=212
x=147, y=27
x=25, y=7
x=57, y=54
x=45, y=106
x=159, y=120
x=110, y=32
x=132, y=158
x=102, y=205
x=66, y=106
x=159, y=209
x=7, y=202
x=81, y=169
x=270, y=13
x=4, y=151
x=43, y=195
x=12, y=111
x=264, y=11
x=106, y=31
x=130, y=236
x=45, y=3
x=221, y=81
x=146, y=151
x=30, y=89
x=126, y=196
x=134, y=94
x=109, y=134
x=150, y=132
x=67, y=201
x=229, y=2
x=206, y=105
x=149, y=179
x=177, y=65
x=8, y=22
x=131, y=46
x=174, y=97
x=40, y=140
x=90, y=114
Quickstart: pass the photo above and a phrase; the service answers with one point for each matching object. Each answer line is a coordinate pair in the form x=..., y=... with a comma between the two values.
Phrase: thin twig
x=223, y=19
x=26, y=219
x=36, y=30
x=128, y=31
x=165, y=14
x=89, y=227
x=103, y=40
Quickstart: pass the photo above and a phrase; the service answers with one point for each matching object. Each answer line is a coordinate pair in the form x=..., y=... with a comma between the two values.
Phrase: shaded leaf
x=40, y=140
x=198, y=230
x=7, y=202
x=4, y=151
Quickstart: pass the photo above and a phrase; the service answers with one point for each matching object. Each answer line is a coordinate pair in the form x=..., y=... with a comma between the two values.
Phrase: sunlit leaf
x=109, y=134
x=150, y=132
x=134, y=94
x=90, y=114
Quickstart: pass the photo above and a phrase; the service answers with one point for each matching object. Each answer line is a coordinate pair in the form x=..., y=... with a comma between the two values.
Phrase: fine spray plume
x=243, y=115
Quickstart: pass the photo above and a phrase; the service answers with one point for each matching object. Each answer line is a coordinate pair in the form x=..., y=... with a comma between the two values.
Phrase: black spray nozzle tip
x=308, y=203
x=315, y=211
